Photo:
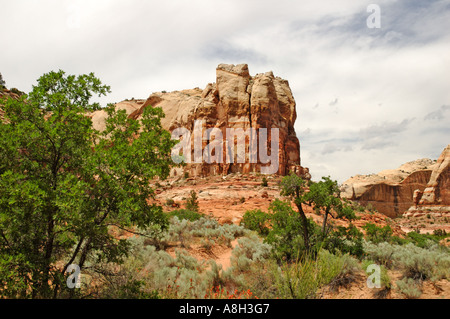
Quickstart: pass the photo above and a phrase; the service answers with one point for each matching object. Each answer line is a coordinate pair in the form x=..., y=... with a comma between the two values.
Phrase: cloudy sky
x=368, y=99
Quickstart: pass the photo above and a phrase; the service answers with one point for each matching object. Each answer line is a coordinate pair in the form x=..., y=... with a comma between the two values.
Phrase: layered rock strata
x=435, y=198
x=236, y=106
x=391, y=192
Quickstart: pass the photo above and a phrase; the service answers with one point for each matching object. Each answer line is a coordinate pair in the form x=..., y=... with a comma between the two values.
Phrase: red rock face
x=416, y=188
x=394, y=199
x=435, y=198
x=236, y=101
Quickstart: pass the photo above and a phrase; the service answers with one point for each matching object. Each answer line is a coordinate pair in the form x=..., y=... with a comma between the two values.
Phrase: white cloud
x=349, y=81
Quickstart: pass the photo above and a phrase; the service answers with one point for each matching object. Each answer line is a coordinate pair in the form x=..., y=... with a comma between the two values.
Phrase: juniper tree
x=2, y=82
x=64, y=185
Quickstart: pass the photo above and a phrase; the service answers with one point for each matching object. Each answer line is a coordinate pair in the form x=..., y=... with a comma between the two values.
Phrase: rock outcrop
x=435, y=198
x=391, y=192
x=236, y=103
x=4, y=95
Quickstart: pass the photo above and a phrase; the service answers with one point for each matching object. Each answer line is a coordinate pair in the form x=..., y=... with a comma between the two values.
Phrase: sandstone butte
x=414, y=189
x=236, y=100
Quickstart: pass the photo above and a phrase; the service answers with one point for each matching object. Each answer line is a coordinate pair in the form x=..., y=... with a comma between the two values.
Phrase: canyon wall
x=413, y=189
x=236, y=101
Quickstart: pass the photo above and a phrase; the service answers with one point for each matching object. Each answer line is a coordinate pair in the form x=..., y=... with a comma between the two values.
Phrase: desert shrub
x=264, y=182
x=170, y=202
x=179, y=277
x=249, y=250
x=210, y=228
x=409, y=287
x=346, y=267
x=378, y=234
x=418, y=263
x=191, y=202
x=371, y=208
x=345, y=240
x=256, y=220
x=297, y=280
x=207, y=244
x=381, y=254
x=423, y=240
x=180, y=231
x=303, y=279
x=385, y=280
x=249, y=269
x=415, y=262
x=185, y=214
x=155, y=236
x=440, y=233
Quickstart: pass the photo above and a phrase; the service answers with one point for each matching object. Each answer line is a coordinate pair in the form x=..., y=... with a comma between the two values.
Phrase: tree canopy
x=64, y=185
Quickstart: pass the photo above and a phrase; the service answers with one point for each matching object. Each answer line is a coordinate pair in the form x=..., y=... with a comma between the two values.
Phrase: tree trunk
x=324, y=224
x=305, y=227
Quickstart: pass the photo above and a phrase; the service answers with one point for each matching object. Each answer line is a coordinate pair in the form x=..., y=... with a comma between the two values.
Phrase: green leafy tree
x=256, y=220
x=293, y=186
x=65, y=185
x=325, y=195
x=286, y=233
x=377, y=234
x=345, y=240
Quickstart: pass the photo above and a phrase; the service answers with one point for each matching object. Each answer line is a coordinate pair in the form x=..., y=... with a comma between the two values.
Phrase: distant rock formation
x=235, y=101
x=392, y=191
x=435, y=198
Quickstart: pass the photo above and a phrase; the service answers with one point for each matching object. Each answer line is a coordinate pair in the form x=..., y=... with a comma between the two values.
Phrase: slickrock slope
x=236, y=100
x=391, y=192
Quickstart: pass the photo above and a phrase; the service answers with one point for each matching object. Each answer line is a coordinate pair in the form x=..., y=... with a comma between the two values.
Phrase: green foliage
x=170, y=202
x=256, y=220
x=182, y=276
x=192, y=202
x=345, y=240
x=286, y=233
x=293, y=186
x=440, y=233
x=385, y=280
x=249, y=250
x=63, y=184
x=425, y=240
x=381, y=253
x=409, y=287
x=302, y=279
x=378, y=234
x=323, y=196
x=185, y=214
